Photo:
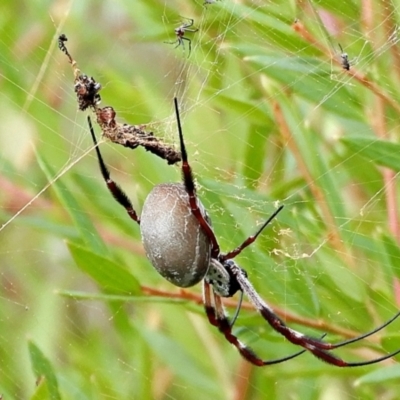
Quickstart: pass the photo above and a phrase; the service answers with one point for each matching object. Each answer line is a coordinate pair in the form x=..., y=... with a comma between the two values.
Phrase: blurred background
x=272, y=114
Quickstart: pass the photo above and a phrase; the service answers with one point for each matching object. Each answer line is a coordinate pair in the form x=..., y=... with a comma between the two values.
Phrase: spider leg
x=365, y=335
x=322, y=346
x=250, y=239
x=176, y=41
x=190, y=187
x=190, y=43
x=217, y=317
x=118, y=194
x=188, y=25
x=316, y=346
x=180, y=42
x=238, y=307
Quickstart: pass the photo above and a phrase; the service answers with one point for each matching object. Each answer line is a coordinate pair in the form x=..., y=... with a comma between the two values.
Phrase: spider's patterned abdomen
x=172, y=237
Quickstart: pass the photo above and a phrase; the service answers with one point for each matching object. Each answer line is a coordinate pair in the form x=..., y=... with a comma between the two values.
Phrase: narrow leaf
x=109, y=275
x=380, y=375
x=79, y=216
x=380, y=152
x=43, y=370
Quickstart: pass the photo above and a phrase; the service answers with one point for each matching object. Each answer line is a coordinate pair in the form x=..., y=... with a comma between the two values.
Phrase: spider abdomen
x=172, y=237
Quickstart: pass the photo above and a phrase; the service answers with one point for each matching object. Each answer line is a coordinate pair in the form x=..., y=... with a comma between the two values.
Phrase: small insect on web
x=207, y=2
x=345, y=59
x=180, y=243
x=131, y=136
x=180, y=34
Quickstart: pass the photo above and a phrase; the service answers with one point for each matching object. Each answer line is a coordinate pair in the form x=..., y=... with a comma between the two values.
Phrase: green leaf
x=286, y=70
x=347, y=283
x=43, y=370
x=77, y=213
x=380, y=152
x=175, y=356
x=380, y=375
x=393, y=250
x=41, y=392
x=109, y=275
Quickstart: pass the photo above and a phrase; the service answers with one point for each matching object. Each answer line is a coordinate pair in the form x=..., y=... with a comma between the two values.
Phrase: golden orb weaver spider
x=180, y=243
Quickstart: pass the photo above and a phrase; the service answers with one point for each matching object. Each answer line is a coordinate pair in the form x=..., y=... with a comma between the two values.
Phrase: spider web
x=270, y=117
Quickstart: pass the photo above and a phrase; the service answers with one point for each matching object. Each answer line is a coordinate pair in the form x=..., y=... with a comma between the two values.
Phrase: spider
x=207, y=2
x=345, y=59
x=180, y=243
x=180, y=34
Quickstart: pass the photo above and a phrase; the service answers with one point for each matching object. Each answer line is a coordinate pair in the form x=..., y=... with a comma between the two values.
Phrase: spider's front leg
x=316, y=346
x=190, y=188
x=220, y=282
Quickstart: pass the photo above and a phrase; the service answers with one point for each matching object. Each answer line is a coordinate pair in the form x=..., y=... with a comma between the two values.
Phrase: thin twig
x=243, y=380
x=333, y=236
x=232, y=303
x=389, y=176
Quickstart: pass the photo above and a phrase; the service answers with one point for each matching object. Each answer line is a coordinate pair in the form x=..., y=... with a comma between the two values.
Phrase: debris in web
x=131, y=136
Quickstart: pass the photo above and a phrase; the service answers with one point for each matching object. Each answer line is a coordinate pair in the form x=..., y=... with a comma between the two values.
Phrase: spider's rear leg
x=316, y=346
x=118, y=194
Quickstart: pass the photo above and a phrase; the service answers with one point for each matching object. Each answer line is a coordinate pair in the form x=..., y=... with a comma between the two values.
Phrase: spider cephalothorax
x=181, y=244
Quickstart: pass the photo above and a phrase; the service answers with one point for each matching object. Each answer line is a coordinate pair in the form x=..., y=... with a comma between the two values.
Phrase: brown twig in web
x=319, y=324
x=131, y=136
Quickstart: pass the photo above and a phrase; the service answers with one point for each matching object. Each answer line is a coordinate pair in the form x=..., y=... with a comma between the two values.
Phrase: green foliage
x=268, y=116
x=44, y=374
